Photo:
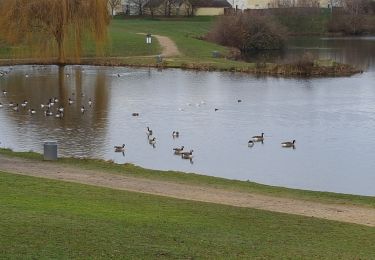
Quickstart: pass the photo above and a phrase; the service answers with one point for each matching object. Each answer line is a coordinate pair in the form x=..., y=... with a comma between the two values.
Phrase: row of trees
x=152, y=7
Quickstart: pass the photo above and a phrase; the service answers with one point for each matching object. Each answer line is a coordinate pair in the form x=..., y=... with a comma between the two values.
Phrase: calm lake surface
x=331, y=119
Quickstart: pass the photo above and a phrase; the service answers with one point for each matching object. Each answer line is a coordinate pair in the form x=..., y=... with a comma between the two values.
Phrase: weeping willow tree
x=54, y=27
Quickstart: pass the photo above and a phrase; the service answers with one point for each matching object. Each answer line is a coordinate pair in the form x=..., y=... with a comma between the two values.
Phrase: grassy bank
x=126, y=47
x=50, y=219
x=196, y=179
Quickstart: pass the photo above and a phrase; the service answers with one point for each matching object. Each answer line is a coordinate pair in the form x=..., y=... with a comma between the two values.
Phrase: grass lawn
x=42, y=218
x=196, y=179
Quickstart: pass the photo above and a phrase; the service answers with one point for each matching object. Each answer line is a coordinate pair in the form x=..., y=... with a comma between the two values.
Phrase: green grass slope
x=44, y=219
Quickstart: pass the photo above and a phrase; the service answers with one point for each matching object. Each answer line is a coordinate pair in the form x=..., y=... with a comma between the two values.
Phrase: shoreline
x=218, y=65
x=200, y=180
x=143, y=181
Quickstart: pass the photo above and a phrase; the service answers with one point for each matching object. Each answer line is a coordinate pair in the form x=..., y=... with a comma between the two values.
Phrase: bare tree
x=50, y=24
x=113, y=4
x=138, y=5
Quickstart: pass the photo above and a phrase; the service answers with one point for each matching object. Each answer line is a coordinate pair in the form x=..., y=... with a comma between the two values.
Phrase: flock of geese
x=152, y=141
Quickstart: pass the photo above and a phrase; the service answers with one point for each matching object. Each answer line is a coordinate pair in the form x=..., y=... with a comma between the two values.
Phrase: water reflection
x=357, y=51
x=44, y=83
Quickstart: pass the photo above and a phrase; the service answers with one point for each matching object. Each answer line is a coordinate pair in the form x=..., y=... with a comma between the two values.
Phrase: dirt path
x=169, y=47
x=352, y=214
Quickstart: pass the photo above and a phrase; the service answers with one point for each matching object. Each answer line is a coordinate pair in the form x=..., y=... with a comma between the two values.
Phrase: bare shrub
x=248, y=33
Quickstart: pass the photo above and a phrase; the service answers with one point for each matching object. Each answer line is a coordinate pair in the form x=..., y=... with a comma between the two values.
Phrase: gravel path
x=344, y=213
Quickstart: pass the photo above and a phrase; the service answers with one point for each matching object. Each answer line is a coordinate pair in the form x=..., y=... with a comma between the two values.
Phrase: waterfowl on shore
x=55, y=99
x=82, y=109
x=1, y=105
x=175, y=134
x=11, y=104
x=258, y=138
x=90, y=102
x=60, y=109
x=187, y=155
x=250, y=143
x=178, y=150
x=5, y=92
x=120, y=148
x=70, y=101
x=24, y=104
x=288, y=144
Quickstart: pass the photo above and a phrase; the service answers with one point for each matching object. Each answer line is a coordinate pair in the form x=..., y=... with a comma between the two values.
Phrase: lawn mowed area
x=42, y=218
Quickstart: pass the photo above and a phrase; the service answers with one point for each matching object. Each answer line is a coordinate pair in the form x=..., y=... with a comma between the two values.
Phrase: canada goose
x=175, y=134
x=288, y=144
x=11, y=104
x=90, y=102
x=216, y=109
x=70, y=101
x=119, y=148
x=152, y=141
x=149, y=131
x=258, y=138
x=1, y=105
x=27, y=75
x=178, y=150
x=239, y=101
x=187, y=155
x=60, y=109
x=23, y=104
x=55, y=99
x=250, y=143
x=5, y=92
x=82, y=109
x=43, y=106
x=135, y=114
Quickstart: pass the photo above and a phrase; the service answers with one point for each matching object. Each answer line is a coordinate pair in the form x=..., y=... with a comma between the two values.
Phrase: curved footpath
x=344, y=213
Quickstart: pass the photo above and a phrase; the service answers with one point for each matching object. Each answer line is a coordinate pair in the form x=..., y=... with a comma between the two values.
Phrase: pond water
x=331, y=119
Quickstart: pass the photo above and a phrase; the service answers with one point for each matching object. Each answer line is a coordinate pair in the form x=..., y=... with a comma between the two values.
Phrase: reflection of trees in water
x=75, y=130
x=357, y=52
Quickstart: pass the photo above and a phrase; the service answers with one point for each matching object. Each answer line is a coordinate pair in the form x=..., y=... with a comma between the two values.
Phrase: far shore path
x=169, y=47
x=344, y=213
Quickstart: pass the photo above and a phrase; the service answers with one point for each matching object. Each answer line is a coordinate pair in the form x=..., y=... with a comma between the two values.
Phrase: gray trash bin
x=50, y=151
